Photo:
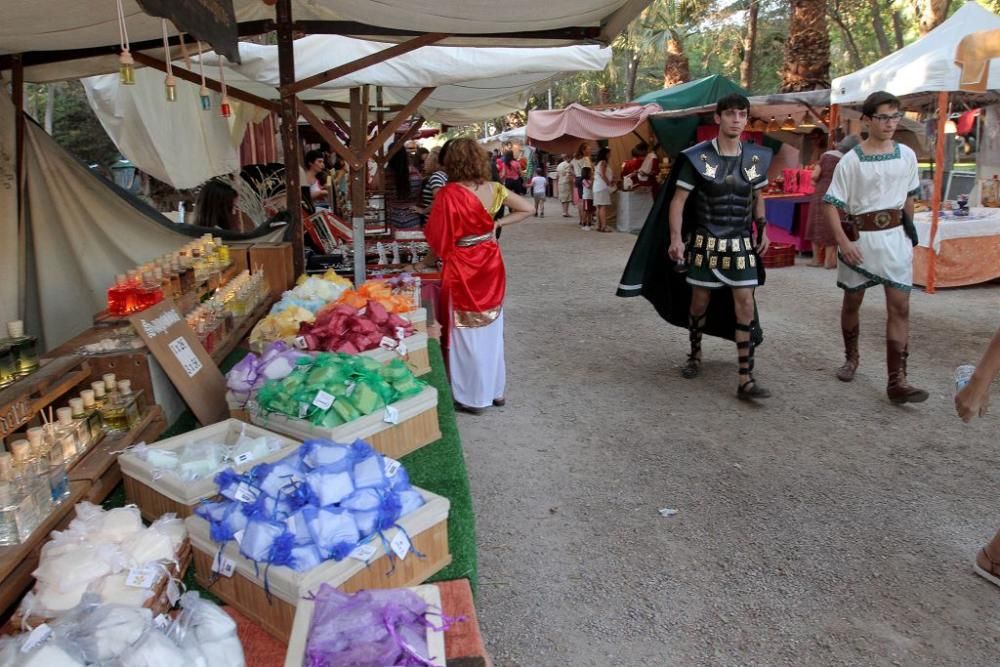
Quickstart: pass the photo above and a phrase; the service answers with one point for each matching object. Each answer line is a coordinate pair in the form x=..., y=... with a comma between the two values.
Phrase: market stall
x=272, y=536
x=926, y=77
x=622, y=127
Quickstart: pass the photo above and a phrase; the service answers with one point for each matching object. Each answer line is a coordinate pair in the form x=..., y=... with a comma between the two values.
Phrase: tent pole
x=17, y=97
x=359, y=173
x=834, y=124
x=290, y=131
x=938, y=183
x=380, y=123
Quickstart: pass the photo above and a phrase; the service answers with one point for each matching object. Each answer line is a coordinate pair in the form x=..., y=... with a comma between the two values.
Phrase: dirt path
x=826, y=527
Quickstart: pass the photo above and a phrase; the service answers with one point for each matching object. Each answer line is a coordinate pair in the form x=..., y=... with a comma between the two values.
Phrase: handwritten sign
x=184, y=359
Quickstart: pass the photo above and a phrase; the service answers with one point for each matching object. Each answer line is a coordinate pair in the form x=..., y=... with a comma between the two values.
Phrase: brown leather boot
x=846, y=372
x=899, y=391
x=987, y=563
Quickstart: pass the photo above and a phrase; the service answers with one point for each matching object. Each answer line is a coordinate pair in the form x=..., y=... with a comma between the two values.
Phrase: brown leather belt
x=878, y=221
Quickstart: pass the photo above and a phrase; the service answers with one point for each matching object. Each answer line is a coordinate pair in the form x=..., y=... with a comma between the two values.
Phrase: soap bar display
x=332, y=389
x=344, y=328
x=315, y=505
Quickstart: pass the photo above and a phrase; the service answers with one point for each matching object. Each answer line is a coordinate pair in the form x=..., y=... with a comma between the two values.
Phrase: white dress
x=602, y=192
x=865, y=183
x=476, y=363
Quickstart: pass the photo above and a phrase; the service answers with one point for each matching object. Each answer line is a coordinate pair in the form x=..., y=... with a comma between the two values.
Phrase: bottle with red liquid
x=132, y=294
x=118, y=301
x=151, y=291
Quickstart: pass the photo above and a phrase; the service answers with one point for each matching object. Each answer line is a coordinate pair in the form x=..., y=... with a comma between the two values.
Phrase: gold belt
x=469, y=241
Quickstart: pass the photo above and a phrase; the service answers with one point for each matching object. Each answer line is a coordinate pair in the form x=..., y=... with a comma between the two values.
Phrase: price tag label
x=161, y=621
x=238, y=536
x=142, y=577
x=323, y=400
x=401, y=349
x=400, y=333
x=185, y=356
x=363, y=552
x=300, y=342
x=303, y=410
x=391, y=415
x=173, y=592
x=387, y=343
x=400, y=545
x=392, y=466
x=246, y=493
x=245, y=457
x=223, y=566
x=37, y=636
x=351, y=386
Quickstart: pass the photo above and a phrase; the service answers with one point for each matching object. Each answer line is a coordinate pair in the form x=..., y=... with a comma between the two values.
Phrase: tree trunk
x=930, y=13
x=807, y=49
x=50, y=107
x=879, y=27
x=634, y=58
x=749, y=41
x=897, y=28
x=676, y=69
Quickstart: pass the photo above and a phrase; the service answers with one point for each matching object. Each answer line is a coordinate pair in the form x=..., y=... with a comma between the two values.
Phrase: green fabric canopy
x=675, y=134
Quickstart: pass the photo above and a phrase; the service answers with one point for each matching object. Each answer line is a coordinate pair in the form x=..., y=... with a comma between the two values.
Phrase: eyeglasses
x=888, y=117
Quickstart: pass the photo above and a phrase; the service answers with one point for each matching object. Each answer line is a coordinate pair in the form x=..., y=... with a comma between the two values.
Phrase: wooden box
x=418, y=426
x=157, y=494
x=418, y=318
x=239, y=254
x=303, y=621
x=276, y=260
x=274, y=609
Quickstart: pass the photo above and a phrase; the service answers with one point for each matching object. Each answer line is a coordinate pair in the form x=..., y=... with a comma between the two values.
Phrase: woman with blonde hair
x=462, y=233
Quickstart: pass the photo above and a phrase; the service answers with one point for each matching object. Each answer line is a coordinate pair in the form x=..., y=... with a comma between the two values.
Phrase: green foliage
x=74, y=125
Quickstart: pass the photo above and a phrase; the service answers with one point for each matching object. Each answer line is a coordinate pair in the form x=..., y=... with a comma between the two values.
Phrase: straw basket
x=274, y=609
x=779, y=255
x=417, y=357
x=157, y=494
x=418, y=426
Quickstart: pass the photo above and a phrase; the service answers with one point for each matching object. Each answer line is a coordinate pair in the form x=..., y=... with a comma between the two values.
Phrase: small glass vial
x=133, y=403
x=18, y=514
x=93, y=414
x=58, y=477
x=79, y=416
x=25, y=349
x=110, y=385
x=28, y=470
x=68, y=435
x=100, y=394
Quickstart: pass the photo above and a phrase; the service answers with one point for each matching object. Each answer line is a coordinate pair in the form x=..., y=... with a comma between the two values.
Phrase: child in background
x=588, y=198
x=538, y=185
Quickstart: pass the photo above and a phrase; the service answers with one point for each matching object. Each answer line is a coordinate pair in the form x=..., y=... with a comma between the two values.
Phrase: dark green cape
x=650, y=273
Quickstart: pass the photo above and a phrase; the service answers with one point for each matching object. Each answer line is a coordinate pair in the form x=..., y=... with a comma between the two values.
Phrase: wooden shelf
x=241, y=331
x=21, y=401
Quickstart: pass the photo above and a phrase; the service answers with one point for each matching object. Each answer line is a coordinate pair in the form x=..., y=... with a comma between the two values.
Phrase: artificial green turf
x=438, y=467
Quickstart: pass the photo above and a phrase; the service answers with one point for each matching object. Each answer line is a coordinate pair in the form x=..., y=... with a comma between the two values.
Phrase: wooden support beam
x=361, y=63
x=939, y=142
x=353, y=28
x=188, y=75
x=380, y=122
x=17, y=97
x=396, y=122
x=336, y=145
x=401, y=142
x=290, y=133
x=337, y=118
x=359, y=176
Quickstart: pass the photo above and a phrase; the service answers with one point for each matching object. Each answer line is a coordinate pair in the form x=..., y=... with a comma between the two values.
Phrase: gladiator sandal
x=748, y=390
x=846, y=372
x=987, y=563
x=898, y=390
x=692, y=367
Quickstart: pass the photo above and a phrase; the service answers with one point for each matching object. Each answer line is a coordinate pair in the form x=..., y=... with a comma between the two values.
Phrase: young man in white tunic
x=875, y=184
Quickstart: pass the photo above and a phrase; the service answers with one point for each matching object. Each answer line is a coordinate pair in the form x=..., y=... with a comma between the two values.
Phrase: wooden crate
x=239, y=254
x=159, y=603
x=779, y=255
x=427, y=528
x=276, y=260
x=418, y=318
x=418, y=426
x=303, y=622
x=157, y=495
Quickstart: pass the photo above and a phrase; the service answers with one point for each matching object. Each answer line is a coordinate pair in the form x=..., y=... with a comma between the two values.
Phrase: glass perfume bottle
x=29, y=472
x=100, y=394
x=110, y=385
x=79, y=416
x=118, y=296
x=18, y=514
x=132, y=402
x=68, y=435
x=25, y=349
x=92, y=414
x=8, y=365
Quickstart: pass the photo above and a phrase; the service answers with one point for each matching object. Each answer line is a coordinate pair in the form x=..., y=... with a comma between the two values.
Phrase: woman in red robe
x=462, y=233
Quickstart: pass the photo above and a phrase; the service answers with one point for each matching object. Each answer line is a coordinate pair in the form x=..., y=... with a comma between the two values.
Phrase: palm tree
x=807, y=49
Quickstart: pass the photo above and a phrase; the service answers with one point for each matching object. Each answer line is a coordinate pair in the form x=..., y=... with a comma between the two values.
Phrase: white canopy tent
x=182, y=145
x=58, y=25
x=925, y=66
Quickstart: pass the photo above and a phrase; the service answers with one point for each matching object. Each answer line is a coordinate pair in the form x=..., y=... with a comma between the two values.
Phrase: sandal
x=749, y=390
x=754, y=392
x=469, y=409
x=692, y=367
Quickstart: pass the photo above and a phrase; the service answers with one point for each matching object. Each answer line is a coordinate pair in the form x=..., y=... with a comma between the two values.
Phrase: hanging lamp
x=773, y=125
x=789, y=124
